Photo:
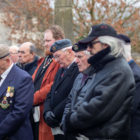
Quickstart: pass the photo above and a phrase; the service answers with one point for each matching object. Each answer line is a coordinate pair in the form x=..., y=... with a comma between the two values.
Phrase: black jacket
x=135, y=127
x=29, y=67
x=56, y=98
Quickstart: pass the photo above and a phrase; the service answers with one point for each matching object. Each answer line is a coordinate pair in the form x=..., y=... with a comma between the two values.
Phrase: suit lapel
x=7, y=81
x=67, y=74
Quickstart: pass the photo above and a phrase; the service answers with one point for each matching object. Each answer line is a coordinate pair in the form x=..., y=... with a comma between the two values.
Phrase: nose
x=88, y=49
x=76, y=60
x=19, y=54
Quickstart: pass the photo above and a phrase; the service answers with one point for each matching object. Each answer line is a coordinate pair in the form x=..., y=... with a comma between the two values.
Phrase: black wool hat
x=60, y=44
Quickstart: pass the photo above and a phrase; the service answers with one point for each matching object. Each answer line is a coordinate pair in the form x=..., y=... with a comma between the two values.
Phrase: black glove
x=5, y=138
x=50, y=119
x=67, y=126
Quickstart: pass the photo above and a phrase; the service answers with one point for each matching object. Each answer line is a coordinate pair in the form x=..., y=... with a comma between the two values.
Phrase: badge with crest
x=4, y=104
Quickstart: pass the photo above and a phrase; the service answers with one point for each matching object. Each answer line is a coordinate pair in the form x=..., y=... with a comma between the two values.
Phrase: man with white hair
x=56, y=98
x=81, y=58
x=135, y=119
x=13, y=50
x=103, y=112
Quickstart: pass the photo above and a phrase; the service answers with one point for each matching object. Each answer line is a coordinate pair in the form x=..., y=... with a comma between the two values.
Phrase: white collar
x=4, y=75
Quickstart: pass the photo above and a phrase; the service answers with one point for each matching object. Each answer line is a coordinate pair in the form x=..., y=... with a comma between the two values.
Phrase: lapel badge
x=54, y=48
x=4, y=103
x=10, y=92
x=75, y=47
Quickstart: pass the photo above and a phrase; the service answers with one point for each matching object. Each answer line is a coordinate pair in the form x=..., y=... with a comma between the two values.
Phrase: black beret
x=123, y=37
x=60, y=44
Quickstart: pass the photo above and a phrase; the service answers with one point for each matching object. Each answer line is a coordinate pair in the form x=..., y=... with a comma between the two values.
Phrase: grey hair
x=32, y=48
x=126, y=52
x=86, y=52
x=115, y=44
x=67, y=48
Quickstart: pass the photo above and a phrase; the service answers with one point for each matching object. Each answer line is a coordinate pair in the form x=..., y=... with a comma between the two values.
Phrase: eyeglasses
x=56, y=56
x=91, y=44
x=22, y=52
x=13, y=53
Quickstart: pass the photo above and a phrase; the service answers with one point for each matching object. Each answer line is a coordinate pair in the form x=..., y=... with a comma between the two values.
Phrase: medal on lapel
x=10, y=92
x=4, y=103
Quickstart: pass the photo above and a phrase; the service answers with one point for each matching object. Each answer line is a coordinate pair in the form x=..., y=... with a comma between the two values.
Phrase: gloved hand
x=50, y=119
x=67, y=126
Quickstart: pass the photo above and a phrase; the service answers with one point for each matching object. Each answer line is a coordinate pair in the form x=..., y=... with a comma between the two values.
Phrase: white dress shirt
x=4, y=75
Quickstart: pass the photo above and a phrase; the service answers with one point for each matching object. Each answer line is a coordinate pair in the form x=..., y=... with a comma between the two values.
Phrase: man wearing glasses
x=13, y=50
x=103, y=113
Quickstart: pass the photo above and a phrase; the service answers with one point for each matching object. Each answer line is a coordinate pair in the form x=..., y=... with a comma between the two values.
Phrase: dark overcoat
x=60, y=90
x=16, y=100
x=135, y=123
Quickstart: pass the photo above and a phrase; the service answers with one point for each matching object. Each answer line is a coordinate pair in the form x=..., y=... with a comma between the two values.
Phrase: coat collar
x=68, y=73
x=99, y=60
x=7, y=81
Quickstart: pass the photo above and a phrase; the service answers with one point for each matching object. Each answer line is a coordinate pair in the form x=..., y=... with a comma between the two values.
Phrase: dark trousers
x=64, y=137
x=35, y=127
x=59, y=137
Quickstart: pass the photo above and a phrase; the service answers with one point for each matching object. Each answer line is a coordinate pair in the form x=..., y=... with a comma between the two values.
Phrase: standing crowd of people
x=83, y=91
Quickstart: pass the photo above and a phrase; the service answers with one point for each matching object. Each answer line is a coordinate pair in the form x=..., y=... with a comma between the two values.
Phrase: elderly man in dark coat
x=56, y=99
x=103, y=111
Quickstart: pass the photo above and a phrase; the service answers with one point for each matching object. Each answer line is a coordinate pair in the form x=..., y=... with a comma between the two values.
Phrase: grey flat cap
x=60, y=44
x=4, y=50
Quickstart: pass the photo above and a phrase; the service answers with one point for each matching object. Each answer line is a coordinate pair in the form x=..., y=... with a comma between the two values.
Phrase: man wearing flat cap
x=16, y=99
x=103, y=112
x=56, y=99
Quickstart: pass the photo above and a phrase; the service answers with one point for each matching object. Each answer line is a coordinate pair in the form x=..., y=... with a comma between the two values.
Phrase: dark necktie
x=64, y=71
x=0, y=78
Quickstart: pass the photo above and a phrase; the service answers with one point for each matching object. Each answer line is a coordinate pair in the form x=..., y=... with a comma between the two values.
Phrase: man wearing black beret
x=64, y=79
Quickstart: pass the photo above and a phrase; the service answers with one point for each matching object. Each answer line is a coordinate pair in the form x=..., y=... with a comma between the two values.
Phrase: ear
x=105, y=46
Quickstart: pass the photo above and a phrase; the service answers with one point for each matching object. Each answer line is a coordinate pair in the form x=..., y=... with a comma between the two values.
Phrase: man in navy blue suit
x=16, y=99
x=135, y=119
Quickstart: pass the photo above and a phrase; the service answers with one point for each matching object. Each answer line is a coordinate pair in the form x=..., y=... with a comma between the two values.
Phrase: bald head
x=27, y=52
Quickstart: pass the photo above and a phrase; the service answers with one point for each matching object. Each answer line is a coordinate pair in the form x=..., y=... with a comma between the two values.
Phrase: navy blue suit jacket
x=135, y=122
x=14, y=119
